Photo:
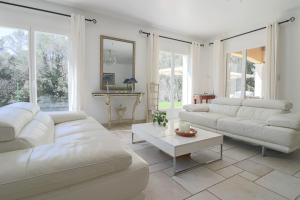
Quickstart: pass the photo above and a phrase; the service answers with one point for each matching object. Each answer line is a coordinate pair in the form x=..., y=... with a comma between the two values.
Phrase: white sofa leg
x=263, y=151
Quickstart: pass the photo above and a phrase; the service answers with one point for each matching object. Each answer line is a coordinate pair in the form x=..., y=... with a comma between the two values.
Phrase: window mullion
x=32, y=68
x=172, y=80
x=244, y=73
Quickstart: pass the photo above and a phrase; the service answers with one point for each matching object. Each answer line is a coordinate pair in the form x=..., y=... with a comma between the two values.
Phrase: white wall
x=109, y=26
x=289, y=60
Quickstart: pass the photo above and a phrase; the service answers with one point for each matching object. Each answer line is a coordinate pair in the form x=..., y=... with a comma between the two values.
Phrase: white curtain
x=197, y=73
x=270, y=74
x=153, y=58
x=219, y=69
x=76, y=73
x=152, y=68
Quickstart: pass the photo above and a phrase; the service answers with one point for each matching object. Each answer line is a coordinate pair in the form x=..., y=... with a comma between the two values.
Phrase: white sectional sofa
x=64, y=156
x=268, y=123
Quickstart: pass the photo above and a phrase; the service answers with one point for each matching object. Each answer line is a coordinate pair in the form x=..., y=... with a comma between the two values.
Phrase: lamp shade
x=132, y=80
x=126, y=81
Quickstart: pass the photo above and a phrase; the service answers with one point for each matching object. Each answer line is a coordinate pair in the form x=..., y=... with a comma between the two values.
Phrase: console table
x=108, y=96
x=201, y=97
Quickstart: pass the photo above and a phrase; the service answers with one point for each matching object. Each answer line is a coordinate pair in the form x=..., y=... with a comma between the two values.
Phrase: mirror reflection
x=117, y=62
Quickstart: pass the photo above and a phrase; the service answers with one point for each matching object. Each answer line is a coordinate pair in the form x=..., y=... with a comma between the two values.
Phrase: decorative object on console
x=161, y=118
x=108, y=80
x=132, y=81
x=126, y=81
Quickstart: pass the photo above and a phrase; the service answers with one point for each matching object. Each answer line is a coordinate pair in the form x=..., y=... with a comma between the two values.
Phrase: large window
x=171, y=79
x=14, y=65
x=19, y=75
x=244, y=73
x=52, y=69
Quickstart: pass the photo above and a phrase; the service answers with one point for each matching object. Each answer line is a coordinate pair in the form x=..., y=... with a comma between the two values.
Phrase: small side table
x=200, y=97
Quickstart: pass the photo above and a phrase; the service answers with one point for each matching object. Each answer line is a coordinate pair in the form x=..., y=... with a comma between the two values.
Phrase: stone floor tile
x=281, y=183
x=286, y=163
x=197, y=179
x=152, y=155
x=161, y=186
x=253, y=167
x=239, y=153
x=205, y=195
x=249, y=176
x=229, y=171
x=160, y=166
x=297, y=174
x=217, y=165
x=239, y=188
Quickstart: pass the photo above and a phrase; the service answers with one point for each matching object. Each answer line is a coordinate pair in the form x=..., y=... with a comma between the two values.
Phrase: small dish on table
x=190, y=133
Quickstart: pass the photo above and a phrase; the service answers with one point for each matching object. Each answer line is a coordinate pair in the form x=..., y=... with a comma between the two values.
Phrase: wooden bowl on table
x=191, y=133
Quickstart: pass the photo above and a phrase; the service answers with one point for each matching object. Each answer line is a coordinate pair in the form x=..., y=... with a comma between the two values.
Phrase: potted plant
x=160, y=117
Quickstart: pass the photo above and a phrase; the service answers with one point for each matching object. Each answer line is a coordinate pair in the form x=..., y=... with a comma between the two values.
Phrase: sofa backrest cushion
x=13, y=118
x=226, y=106
x=38, y=131
x=228, y=101
x=261, y=109
x=254, y=113
x=269, y=104
x=30, y=107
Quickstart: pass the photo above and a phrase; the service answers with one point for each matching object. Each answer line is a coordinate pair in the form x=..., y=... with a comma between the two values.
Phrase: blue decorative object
x=132, y=81
x=107, y=79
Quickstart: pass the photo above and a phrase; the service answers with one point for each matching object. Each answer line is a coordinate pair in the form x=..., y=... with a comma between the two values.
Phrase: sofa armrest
x=66, y=116
x=289, y=120
x=51, y=167
x=196, y=107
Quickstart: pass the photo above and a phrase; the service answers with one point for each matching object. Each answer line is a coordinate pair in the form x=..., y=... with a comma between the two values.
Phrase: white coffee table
x=167, y=141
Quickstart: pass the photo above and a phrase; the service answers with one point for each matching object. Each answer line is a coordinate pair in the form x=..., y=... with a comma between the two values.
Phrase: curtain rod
x=292, y=19
x=169, y=38
x=43, y=10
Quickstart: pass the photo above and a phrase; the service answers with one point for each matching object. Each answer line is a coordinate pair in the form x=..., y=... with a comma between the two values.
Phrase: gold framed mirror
x=117, y=62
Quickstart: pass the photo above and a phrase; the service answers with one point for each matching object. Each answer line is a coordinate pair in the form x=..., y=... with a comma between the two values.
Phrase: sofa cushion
x=33, y=108
x=66, y=116
x=290, y=120
x=72, y=127
x=254, y=113
x=50, y=167
x=281, y=136
x=196, y=108
x=270, y=104
x=12, y=120
x=247, y=128
x=201, y=118
x=227, y=101
x=228, y=110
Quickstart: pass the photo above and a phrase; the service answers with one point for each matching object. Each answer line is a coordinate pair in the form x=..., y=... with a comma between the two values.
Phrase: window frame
x=244, y=65
x=172, y=94
x=32, y=29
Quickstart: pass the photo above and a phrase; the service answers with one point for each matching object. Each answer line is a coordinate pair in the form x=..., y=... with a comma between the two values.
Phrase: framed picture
x=109, y=79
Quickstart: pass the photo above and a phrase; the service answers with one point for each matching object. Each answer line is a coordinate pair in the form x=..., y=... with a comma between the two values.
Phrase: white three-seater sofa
x=268, y=123
x=64, y=156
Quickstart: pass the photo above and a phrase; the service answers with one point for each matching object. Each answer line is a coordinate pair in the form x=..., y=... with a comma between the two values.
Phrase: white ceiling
x=201, y=18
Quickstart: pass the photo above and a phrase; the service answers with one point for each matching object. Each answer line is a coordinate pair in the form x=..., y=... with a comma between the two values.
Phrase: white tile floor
x=242, y=174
